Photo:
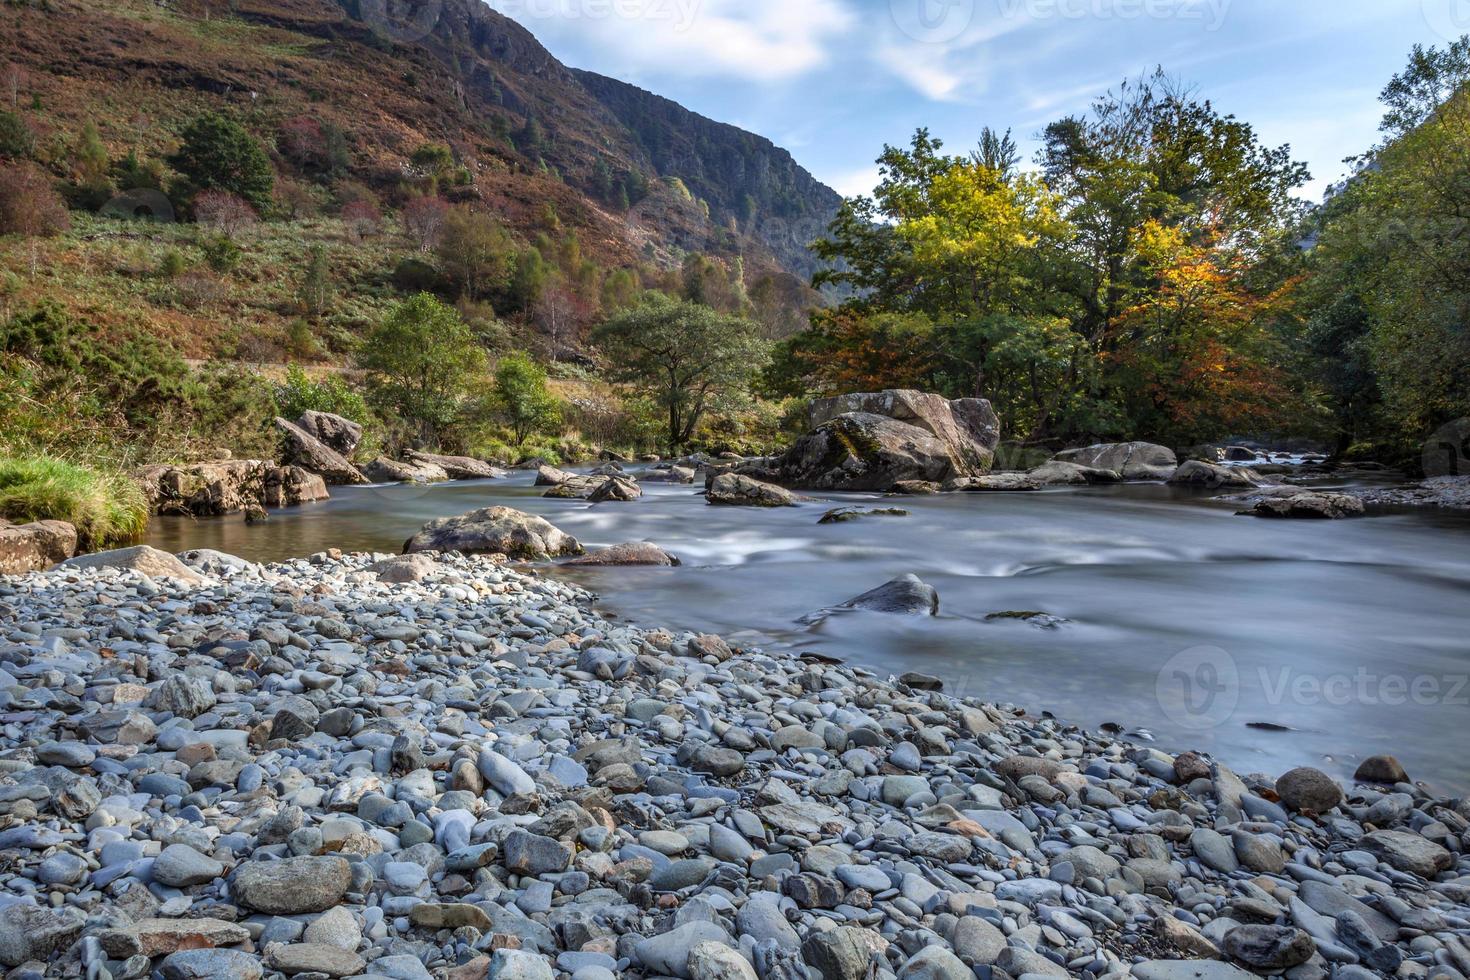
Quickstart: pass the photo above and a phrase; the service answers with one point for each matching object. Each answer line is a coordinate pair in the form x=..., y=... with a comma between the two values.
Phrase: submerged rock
x=631, y=553
x=904, y=596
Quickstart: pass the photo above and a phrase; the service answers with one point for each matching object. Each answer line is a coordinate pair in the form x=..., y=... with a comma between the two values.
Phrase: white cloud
x=855, y=182
x=755, y=40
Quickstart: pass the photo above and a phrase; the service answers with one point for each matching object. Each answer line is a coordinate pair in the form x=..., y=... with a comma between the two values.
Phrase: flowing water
x=1269, y=643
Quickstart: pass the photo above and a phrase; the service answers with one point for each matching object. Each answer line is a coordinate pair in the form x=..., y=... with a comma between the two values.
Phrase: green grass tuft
x=107, y=508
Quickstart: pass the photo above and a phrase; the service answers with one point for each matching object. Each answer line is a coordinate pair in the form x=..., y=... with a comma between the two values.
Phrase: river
x=1186, y=624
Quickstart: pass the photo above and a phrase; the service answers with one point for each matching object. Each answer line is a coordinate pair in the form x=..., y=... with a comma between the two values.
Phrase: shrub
x=173, y=264
x=221, y=253
x=107, y=508
x=300, y=393
x=522, y=397
x=16, y=139
x=29, y=206
x=227, y=213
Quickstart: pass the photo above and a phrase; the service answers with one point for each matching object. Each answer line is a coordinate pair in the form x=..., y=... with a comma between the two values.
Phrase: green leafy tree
x=522, y=397
x=316, y=281
x=477, y=251
x=422, y=363
x=16, y=139
x=218, y=154
x=684, y=356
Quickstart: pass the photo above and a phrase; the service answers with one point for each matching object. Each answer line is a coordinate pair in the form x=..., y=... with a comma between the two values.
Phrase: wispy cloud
x=753, y=40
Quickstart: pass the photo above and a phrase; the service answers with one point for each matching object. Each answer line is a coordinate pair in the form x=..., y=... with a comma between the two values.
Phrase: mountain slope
x=637, y=176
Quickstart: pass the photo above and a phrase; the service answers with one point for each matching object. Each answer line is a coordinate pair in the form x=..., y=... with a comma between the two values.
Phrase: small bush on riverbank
x=105, y=507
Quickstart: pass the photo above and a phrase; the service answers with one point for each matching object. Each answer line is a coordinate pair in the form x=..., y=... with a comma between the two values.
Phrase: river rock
x=904, y=596
x=1132, y=461
x=844, y=953
x=35, y=547
x=314, y=959
x=141, y=559
x=495, y=530
x=994, y=483
x=291, y=886
x=1308, y=790
x=1058, y=474
x=734, y=490
x=716, y=961
x=1408, y=852
x=617, y=489
x=300, y=448
x=1269, y=948
x=668, y=954
x=211, y=964
x=458, y=467
x=180, y=866
x=1295, y=503
x=30, y=932
x=291, y=486
x=1197, y=473
x=632, y=553
x=1384, y=769
x=406, y=568
x=341, y=435
x=385, y=470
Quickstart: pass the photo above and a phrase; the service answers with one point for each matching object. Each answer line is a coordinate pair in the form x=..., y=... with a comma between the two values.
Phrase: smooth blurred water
x=1308, y=625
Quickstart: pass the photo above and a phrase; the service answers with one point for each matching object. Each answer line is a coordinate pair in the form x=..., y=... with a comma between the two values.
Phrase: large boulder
x=458, y=467
x=1197, y=473
x=303, y=449
x=35, y=547
x=142, y=559
x=967, y=426
x=495, y=530
x=872, y=441
x=385, y=470
x=333, y=431
x=1130, y=460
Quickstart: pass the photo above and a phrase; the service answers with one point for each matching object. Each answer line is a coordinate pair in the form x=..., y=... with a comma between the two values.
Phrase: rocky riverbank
x=440, y=766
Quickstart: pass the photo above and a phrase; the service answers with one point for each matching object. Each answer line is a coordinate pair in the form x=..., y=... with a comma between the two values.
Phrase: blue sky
x=833, y=80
